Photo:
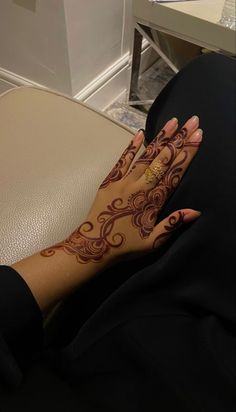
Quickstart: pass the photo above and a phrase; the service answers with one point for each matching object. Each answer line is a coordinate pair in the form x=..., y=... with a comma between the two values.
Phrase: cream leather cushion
x=54, y=153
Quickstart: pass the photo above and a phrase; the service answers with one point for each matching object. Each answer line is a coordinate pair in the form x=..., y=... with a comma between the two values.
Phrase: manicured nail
x=172, y=122
x=194, y=120
x=139, y=136
x=189, y=217
x=196, y=136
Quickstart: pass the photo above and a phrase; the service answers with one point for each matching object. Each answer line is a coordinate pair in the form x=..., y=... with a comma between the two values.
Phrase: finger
x=161, y=192
x=155, y=147
x=175, y=173
x=166, y=157
x=174, y=221
x=123, y=164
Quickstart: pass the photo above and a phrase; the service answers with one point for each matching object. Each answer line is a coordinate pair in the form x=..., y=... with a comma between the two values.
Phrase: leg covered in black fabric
x=165, y=327
x=207, y=88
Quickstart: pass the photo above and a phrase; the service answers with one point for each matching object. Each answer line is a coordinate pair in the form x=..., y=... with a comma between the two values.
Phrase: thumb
x=167, y=226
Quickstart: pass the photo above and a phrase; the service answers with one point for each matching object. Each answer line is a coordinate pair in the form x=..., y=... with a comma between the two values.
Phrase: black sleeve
x=21, y=326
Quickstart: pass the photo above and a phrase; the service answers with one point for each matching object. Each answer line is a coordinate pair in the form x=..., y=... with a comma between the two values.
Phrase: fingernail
x=189, y=217
x=197, y=136
x=139, y=136
x=172, y=122
x=194, y=120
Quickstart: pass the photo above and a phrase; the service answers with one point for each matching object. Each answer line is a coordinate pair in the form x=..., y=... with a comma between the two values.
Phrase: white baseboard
x=113, y=82
x=104, y=89
x=17, y=80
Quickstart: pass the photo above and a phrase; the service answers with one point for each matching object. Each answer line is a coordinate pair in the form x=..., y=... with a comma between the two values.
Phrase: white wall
x=73, y=46
x=95, y=40
x=33, y=41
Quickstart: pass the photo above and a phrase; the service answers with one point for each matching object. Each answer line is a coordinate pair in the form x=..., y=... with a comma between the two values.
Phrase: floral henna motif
x=116, y=173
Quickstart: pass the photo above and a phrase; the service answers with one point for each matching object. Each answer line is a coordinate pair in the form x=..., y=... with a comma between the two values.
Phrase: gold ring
x=154, y=171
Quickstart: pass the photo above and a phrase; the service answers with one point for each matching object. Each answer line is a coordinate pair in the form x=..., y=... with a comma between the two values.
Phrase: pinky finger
x=167, y=226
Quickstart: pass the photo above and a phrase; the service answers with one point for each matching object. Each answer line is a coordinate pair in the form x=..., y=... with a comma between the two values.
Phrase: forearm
x=52, y=278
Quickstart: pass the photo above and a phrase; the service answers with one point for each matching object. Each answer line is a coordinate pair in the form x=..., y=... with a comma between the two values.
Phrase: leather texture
x=54, y=154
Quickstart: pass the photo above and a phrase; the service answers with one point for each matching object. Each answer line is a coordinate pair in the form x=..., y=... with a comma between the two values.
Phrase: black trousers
x=160, y=333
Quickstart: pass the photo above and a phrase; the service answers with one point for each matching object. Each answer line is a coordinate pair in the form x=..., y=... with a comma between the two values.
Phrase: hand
x=123, y=217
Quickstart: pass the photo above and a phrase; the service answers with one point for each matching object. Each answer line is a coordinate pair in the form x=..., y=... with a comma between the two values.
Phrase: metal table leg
x=140, y=32
x=135, y=59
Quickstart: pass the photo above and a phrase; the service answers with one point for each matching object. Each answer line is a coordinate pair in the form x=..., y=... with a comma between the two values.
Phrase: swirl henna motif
x=85, y=248
x=153, y=149
x=174, y=222
x=92, y=249
x=174, y=145
x=116, y=172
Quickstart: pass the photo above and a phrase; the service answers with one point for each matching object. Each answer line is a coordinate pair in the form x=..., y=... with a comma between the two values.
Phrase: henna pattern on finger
x=153, y=149
x=116, y=173
x=174, y=222
x=156, y=146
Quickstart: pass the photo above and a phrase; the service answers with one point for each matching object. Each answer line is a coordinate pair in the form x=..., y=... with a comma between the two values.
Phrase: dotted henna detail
x=116, y=173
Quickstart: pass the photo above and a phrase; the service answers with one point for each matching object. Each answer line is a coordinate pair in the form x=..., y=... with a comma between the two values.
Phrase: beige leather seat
x=54, y=153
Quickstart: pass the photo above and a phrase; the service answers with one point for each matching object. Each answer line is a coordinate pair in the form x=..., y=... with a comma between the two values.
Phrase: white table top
x=194, y=21
x=209, y=10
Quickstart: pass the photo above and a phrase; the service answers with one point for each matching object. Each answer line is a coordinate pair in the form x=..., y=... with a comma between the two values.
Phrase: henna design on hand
x=142, y=206
x=116, y=173
x=92, y=249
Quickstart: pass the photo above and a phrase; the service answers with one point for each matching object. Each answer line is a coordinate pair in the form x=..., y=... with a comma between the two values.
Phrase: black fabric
x=158, y=333
x=20, y=326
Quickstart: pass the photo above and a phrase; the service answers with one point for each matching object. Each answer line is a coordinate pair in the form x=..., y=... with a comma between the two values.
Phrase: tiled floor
x=150, y=85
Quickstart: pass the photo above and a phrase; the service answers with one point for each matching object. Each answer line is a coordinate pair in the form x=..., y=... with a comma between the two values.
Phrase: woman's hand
x=123, y=217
